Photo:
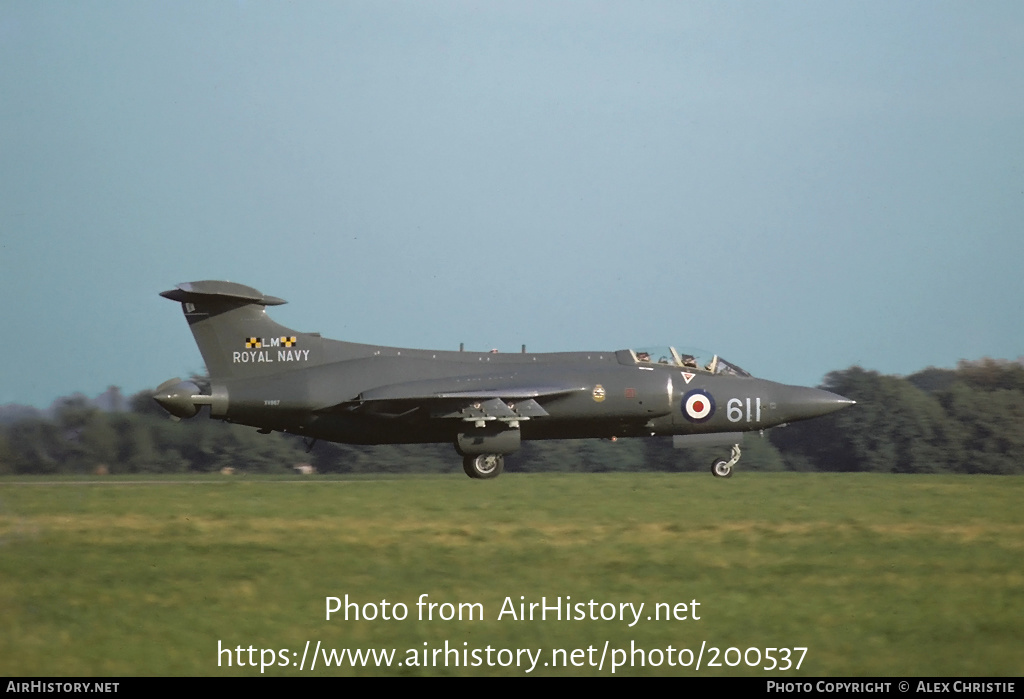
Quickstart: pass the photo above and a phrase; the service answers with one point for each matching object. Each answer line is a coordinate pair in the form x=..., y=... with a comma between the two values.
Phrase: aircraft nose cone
x=801, y=403
x=824, y=402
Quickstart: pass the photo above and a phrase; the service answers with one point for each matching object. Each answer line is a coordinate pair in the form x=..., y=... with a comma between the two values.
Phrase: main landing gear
x=722, y=468
x=483, y=465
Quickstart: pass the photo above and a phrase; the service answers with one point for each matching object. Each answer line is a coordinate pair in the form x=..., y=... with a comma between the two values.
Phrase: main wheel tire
x=721, y=469
x=483, y=465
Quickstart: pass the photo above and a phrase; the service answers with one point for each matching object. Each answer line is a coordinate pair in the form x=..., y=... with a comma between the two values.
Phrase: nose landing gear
x=723, y=469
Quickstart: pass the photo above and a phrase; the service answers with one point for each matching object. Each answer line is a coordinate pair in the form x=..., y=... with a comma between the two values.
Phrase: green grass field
x=872, y=574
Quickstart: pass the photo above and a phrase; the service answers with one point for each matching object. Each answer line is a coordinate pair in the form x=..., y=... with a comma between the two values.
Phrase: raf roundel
x=698, y=406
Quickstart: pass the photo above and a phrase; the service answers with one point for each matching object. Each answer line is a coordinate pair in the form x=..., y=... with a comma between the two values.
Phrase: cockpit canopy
x=687, y=358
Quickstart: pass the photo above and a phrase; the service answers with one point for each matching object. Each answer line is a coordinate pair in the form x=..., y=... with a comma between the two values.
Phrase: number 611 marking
x=734, y=410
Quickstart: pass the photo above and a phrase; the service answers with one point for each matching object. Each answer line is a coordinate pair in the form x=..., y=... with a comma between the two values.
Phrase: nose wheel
x=722, y=468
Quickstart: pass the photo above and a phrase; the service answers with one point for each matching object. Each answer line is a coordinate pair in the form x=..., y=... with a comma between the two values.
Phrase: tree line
x=964, y=420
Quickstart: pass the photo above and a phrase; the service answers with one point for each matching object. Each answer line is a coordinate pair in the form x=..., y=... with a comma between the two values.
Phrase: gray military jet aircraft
x=274, y=378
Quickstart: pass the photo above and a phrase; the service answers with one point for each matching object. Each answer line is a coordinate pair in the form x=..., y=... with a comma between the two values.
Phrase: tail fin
x=235, y=336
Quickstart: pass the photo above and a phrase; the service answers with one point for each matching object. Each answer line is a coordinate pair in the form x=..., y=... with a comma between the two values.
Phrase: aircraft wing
x=400, y=393
x=473, y=397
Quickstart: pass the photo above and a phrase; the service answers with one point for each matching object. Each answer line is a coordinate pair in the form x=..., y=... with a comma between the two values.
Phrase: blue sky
x=800, y=187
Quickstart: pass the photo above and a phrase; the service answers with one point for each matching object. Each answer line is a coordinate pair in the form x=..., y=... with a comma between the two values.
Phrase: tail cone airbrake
x=182, y=399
